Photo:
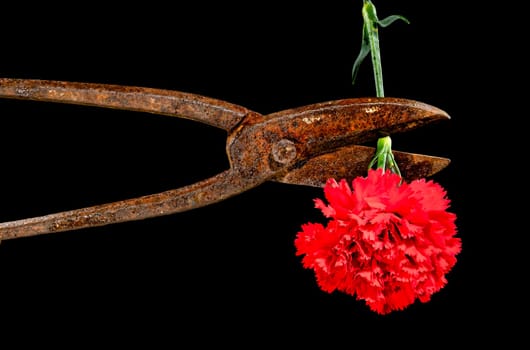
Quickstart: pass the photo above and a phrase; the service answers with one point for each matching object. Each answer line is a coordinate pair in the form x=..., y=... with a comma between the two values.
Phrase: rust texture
x=203, y=109
x=352, y=161
x=299, y=146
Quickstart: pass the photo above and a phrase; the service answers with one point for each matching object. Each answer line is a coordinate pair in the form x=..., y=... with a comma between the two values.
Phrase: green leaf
x=391, y=19
x=365, y=50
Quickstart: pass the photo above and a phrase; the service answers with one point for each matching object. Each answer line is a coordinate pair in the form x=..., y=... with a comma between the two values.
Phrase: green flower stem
x=370, y=20
x=370, y=43
x=384, y=157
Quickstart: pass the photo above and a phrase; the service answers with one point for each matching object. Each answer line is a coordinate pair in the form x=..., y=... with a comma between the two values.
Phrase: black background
x=226, y=274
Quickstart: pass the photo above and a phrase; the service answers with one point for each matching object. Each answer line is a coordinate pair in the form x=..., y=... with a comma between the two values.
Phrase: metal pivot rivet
x=284, y=151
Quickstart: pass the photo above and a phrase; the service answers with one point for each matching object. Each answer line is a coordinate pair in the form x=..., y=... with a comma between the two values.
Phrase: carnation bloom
x=387, y=242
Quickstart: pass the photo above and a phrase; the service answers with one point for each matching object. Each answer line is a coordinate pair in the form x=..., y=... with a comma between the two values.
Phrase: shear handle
x=211, y=190
x=199, y=108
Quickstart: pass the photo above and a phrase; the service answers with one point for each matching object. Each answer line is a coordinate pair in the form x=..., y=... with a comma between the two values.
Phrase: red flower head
x=388, y=243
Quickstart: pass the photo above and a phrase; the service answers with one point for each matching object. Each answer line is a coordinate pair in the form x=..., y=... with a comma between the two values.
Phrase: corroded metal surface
x=203, y=109
x=339, y=165
x=302, y=146
x=199, y=194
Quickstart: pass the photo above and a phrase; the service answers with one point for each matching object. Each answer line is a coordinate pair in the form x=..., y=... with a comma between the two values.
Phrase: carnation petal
x=387, y=242
x=328, y=211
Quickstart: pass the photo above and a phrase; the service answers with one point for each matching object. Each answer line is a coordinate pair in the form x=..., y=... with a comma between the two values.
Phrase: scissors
x=300, y=146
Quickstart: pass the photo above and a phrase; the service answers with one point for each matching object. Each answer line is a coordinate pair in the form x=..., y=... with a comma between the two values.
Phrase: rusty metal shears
x=300, y=146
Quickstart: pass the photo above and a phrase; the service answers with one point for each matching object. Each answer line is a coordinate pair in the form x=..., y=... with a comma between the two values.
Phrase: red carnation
x=387, y=242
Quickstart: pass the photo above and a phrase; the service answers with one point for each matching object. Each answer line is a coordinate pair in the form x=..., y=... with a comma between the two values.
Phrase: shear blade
x=352, y=161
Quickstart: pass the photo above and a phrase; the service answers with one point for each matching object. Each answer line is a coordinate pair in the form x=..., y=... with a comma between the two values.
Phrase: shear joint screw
x=284, y=151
